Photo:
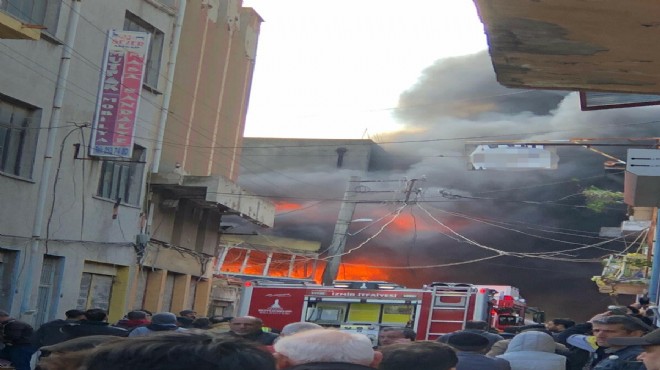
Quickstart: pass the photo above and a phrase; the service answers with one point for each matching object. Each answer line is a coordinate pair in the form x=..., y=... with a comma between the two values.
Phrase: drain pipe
x=167, y=93
x=33, y=258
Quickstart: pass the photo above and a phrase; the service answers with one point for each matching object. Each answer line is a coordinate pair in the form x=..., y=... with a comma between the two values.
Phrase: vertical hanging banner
x=118, y=100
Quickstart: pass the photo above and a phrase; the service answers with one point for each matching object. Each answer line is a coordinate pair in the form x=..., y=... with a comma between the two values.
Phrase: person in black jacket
x=53, y=332
x=95, y=323
x=16, y=335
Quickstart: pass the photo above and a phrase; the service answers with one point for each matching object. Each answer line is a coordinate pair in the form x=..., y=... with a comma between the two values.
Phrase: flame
x=237, y=260
x=284, y=206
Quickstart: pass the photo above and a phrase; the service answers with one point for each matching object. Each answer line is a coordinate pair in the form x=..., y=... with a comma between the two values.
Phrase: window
x=121, y=179
x=42, y=12
x=18, y=137
x=134, y=23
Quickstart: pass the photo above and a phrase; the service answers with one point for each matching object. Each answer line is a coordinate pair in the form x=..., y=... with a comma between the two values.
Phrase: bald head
x=245, y=325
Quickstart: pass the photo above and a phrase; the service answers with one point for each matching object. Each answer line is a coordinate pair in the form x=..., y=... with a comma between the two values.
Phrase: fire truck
x=367, y=306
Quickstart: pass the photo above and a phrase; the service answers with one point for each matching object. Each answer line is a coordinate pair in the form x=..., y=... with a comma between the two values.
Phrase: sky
x=328, y=69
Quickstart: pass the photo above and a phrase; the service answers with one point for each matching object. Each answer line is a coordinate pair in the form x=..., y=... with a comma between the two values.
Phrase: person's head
x=391, y=335
x=425, y=355
x=465, y=341
x=96, y=314
x=4, y=316
x=201, y=323
x=164, y=319
x=296, y=327
x=651, y=344
x=75, y=315
x=188, y=313
x=64, y=355
x=476, y=325
x=180, y=351
x=136, y=315
x=607, y=327
x=71, y=353
x=325, y=345
x=559, y=325
x=245, y=325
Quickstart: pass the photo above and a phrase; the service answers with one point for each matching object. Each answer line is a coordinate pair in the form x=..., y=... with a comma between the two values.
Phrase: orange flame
x=284, y=206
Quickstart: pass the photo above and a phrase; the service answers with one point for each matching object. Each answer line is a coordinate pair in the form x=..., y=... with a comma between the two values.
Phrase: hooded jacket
x=533, y=350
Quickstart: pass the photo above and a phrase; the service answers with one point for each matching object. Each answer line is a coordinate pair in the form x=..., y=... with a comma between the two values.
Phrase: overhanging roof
x=605, y=45
x=217, y=190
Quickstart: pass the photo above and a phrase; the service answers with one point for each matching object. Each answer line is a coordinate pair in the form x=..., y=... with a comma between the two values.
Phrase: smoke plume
x=457, y=215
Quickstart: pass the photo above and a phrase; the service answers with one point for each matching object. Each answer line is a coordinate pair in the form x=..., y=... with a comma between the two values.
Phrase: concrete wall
x=213, y=77
x=79, y=223
x=273, y=154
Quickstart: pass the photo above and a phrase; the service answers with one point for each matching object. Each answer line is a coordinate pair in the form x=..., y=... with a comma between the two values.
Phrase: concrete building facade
x=117, y=233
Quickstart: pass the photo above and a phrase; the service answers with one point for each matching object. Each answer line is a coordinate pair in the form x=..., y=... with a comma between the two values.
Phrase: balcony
x=624, y=274
x=12, y=28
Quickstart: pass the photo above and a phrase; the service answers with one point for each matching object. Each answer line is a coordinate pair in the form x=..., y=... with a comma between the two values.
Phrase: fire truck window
x=505, y=320
x=327, y=313
x=364, y=312
x=397, y=313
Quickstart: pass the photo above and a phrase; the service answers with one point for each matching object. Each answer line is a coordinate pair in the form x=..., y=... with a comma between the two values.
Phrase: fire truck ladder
x=449, y=298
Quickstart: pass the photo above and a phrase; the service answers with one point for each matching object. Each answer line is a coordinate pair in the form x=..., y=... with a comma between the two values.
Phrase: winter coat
x=533, y=350
x=85, y=328
x=51, y=333
x=261, y=337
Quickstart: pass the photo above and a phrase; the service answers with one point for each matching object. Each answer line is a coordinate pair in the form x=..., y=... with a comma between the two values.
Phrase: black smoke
x=454, y=101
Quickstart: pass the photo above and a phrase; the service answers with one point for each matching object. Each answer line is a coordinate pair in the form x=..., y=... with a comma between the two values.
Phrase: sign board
x=512, y=157
x=643, y=162
x=118, y=98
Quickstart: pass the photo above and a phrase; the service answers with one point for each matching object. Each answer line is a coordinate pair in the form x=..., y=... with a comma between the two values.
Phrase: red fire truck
x=367, y=306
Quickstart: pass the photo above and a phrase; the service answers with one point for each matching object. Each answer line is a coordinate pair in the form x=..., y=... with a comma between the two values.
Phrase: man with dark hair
x=471, y=348
x=95, y=323
x=189, y=314
x=559, y=325
x=250, y=327
x=16, y=335
x=180, y=351
x=392, y=334
x=134, y=319
x=52, y=332
x=617, y=357
x=418, y=355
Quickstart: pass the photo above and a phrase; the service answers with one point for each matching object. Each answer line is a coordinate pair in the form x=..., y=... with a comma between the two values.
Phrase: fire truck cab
x=367, y=306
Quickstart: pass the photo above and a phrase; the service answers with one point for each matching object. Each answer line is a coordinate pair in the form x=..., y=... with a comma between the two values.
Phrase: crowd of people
x=618, y=339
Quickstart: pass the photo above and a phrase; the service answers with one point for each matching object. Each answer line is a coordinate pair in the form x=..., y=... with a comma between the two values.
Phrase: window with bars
x=134, y=23
x=40, y=12
x=18, y=137
x=122, y=180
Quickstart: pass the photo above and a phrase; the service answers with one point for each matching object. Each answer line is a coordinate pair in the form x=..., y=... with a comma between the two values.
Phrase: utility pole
x=338, y=243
